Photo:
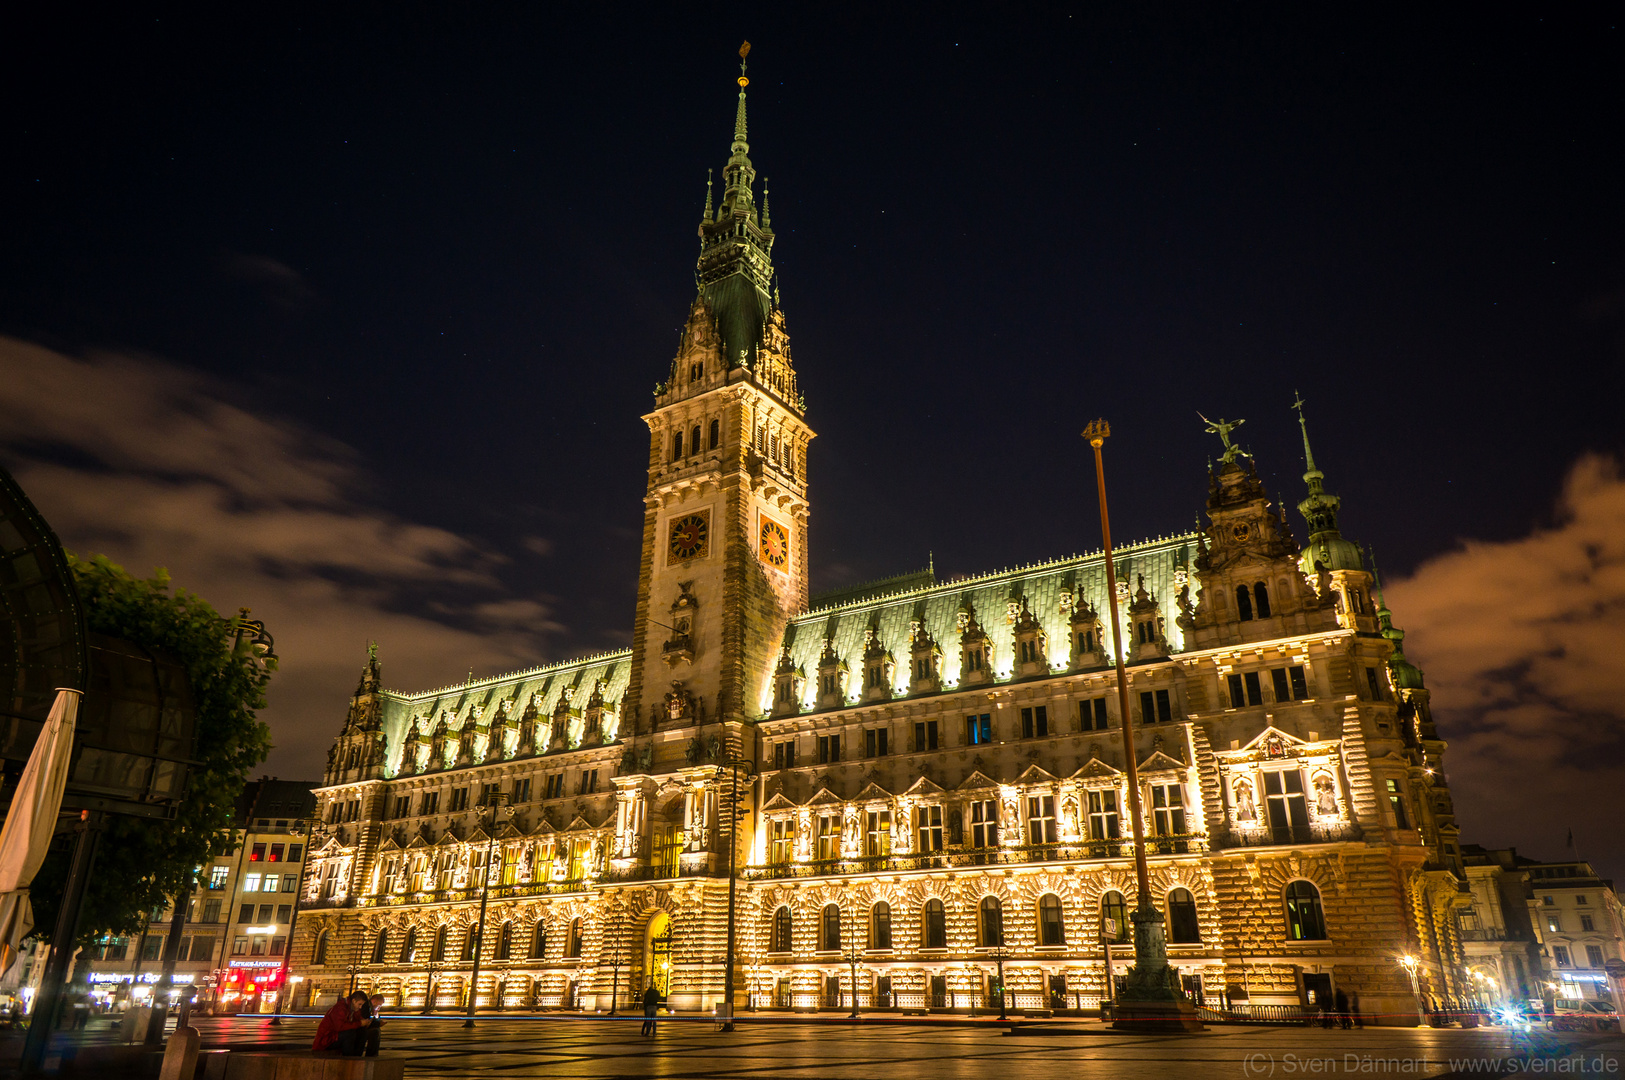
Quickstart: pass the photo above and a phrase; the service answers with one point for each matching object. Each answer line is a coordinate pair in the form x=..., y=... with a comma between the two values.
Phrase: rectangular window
x=218, y=875
x=459, y=799
x=874, y=742
x=1554, y=924
x=239, y=946
x=1148, y=707
x=1561, y=955
x=1103, y=814
x=1300, y=685
x=151, y=945
x=1287, y=809
x=296, y=852
x=877, y=844
x=925, y=735
x=1035, y=722
x=1374, y=683
x=521, y=790
x=277, y=945
x=211, y=911
x=202, y=948
x=284, y=912
x=979, y=729
x=257, y=945
x=403, y=806
x=1041, y=819
x=1588, y=923
x=429, y=802
x=251, y=882
x=184, y=951
x=1168, y=809
x=829, y=749
x=829, y=837
x=245, y=913
x=1165, y=706
x=589, y=781
x=488, y=794
x=553, y=786
x=984, y=823
x=290, y=882
x=930, y=829
x=784, y=755
x=1283, y=692
x=1238, y=696
x=1396, y=800
x=256, y=853
x=1099, y=709
x=1255, y=689
x=784, y=842
x=265, y=912
x=277, y=851
x=1594, y=956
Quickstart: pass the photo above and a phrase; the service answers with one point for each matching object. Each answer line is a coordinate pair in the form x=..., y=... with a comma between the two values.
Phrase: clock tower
x=725, y=515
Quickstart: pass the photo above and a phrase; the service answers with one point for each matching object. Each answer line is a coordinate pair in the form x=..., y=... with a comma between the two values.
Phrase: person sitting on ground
x=341, y=1030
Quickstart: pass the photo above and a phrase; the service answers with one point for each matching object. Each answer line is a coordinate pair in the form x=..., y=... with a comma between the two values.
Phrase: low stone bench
x=249, y=1065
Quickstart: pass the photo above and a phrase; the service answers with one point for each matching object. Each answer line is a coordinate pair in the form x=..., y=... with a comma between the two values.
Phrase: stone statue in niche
x=1325, y=795
x=1246, y=809
x=679, y=702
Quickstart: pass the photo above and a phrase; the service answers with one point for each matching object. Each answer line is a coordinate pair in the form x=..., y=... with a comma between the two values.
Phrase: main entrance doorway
x=657, y=954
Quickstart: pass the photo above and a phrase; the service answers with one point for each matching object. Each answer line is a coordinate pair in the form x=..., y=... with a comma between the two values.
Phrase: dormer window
x=1086, y=641
x=1147, y=631
x=976, y=659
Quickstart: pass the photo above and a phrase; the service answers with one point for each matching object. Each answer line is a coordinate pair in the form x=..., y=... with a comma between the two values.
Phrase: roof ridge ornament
x=1222, y=428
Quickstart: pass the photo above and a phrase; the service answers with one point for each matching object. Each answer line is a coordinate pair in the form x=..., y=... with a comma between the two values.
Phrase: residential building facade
x=238, y=919
x=939, y=785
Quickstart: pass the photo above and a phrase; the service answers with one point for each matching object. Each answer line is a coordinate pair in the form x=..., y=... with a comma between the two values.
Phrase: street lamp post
x=852, y=955
x=733, y=765
x=1151, y=999
x=490, y=806
x=1410, y=964
x=293, y=922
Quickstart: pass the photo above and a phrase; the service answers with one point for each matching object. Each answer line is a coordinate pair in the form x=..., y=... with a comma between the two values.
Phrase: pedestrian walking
x=651, y=1004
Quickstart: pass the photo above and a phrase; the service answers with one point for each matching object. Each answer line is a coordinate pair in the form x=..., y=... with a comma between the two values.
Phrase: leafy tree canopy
x=142, y=864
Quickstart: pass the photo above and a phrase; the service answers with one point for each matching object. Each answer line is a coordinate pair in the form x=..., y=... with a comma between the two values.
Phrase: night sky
x=349, y=317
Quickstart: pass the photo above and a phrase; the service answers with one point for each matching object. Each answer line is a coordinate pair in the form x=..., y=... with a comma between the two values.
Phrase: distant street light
x=489, y=809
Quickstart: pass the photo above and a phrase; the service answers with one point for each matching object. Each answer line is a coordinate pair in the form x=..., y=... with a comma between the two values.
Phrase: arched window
x=380, y=947
x=933, y=926
x=781, y=930
x=409, y=945
x=321, y=948
x=1182, y=926
x=716, y=434
x=1305, y=921
x=440, y=938
x=676, y=445
x=505, y=941
x=572, y=948
x=829, y=931
x=471, y=943
x=1261, y=600
x=1050, y=928
x=538, y=942
x=1114, y=917
x=880, y=926
x=990, y=923
x=1244, y=598
x=694, y=440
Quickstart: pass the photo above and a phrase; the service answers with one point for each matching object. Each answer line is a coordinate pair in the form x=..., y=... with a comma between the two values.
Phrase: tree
x=141, y=864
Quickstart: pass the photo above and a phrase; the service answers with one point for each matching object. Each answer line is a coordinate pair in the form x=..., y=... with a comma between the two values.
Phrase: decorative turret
x=1326, y=545
x=359, y=752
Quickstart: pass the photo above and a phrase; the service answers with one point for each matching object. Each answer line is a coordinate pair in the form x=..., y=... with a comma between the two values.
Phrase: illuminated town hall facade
x=939, y=785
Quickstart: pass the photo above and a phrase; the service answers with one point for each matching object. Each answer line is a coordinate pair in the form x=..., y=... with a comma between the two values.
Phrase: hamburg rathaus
x=923, y=784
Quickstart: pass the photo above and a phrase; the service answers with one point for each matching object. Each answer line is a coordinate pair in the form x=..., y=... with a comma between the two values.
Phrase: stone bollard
x=180, y=1055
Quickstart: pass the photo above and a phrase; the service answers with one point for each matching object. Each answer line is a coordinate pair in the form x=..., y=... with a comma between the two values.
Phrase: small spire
x=708, y=173
x=1312, y=476
x=739, y=117
x=767, y=217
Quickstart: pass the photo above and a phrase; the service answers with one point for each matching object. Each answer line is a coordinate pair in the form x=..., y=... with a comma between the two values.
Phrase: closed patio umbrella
x=31, y=820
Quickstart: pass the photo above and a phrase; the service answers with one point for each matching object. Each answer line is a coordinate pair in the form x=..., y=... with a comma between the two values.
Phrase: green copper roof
x=989, y=596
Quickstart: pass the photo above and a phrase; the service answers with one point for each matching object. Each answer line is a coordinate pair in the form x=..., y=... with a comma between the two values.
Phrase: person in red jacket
x=342, y=1028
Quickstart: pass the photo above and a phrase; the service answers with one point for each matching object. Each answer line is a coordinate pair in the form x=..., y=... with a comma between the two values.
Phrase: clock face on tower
x=690, y=537
x=774, y=547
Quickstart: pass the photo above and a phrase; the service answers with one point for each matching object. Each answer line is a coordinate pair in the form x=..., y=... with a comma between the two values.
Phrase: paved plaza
x=784, y=1049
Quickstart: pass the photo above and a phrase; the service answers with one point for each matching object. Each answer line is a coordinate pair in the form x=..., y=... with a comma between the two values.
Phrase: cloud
x=1523, y=645
x=280, y=284
x=155, y=465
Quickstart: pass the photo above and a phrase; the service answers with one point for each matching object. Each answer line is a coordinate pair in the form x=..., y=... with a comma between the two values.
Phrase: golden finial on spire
x=744, y=51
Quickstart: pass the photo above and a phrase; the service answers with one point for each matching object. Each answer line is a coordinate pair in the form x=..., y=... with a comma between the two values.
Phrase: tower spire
x=1326, y=546
x=708, y=178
